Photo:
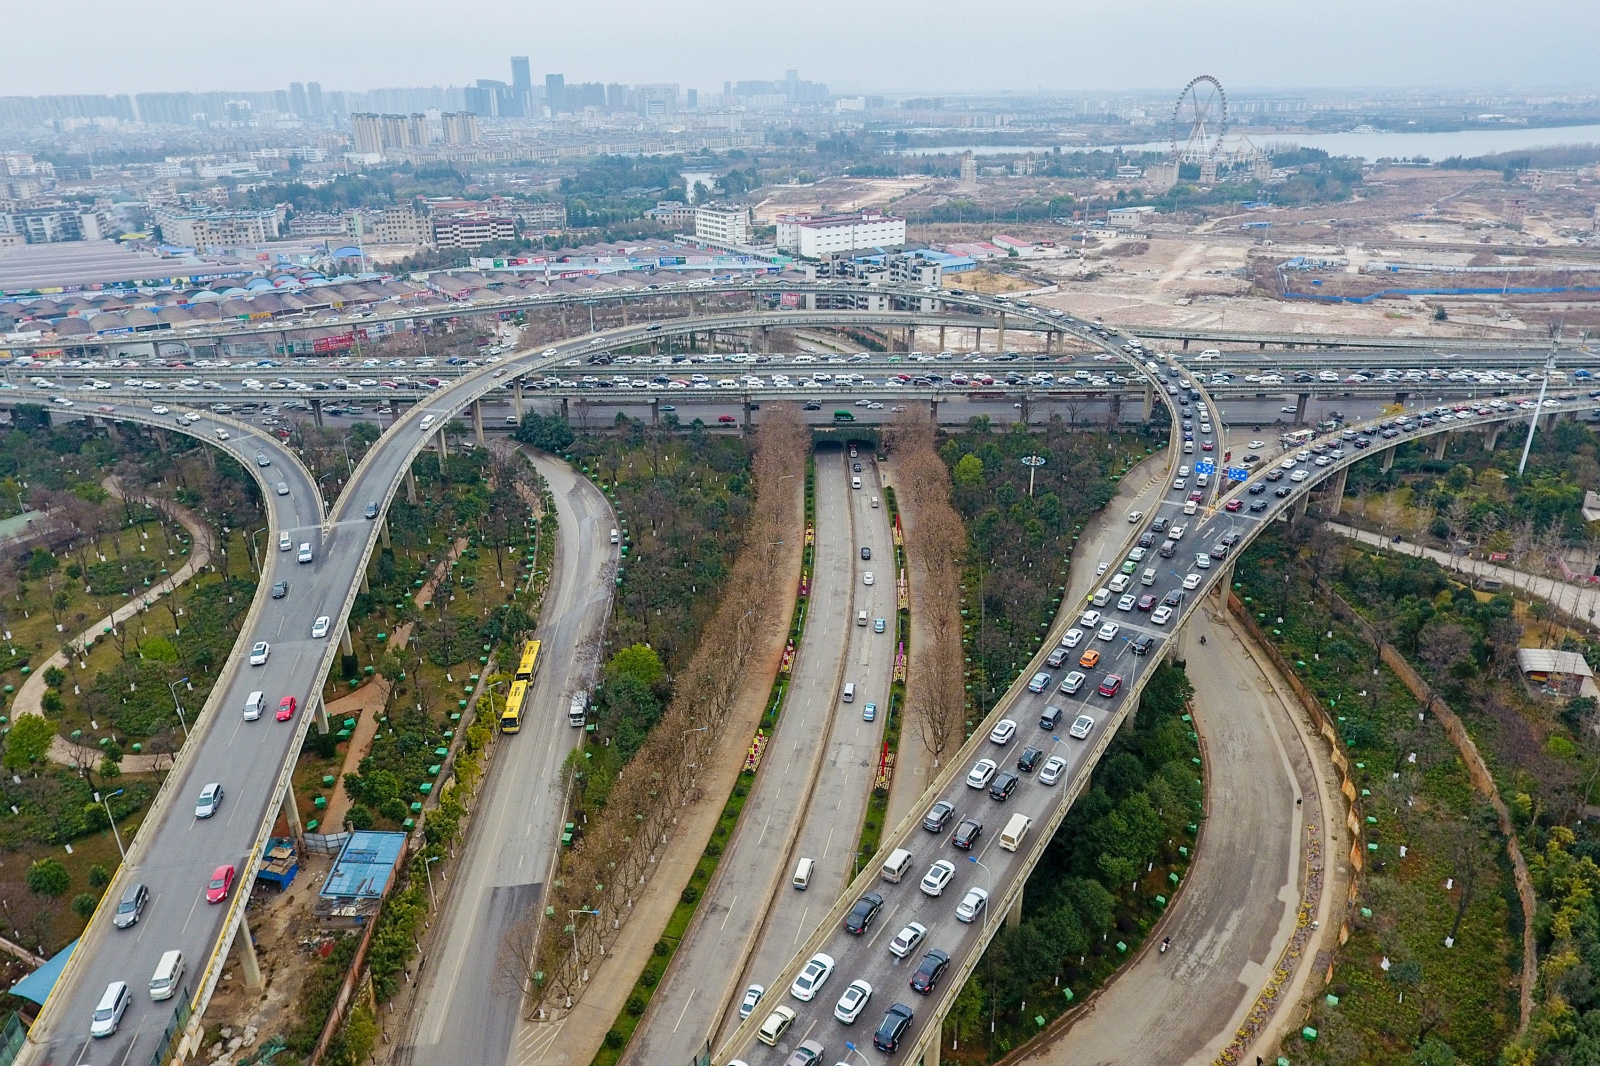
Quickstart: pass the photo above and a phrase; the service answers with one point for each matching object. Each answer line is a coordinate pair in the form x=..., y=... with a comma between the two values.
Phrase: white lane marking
x=801, y=928
x=887, y=921
x=827, y=843
x=192, y=907
x=685, y=1010
x=729, y=913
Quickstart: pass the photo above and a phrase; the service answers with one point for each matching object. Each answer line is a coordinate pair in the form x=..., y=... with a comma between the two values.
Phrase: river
x=1368, y=146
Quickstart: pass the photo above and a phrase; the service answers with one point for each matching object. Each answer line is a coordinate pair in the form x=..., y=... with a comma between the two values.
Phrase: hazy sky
x=88, y=46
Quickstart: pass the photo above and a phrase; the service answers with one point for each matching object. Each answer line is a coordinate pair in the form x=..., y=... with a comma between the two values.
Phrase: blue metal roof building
x=365, y=866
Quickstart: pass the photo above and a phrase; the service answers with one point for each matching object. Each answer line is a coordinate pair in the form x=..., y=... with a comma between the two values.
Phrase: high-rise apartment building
x=460, y=128
x=727, y=224
x=555, y=93
x=366, y=133
x=314, y=108
x=522, y=83
x=297, y=100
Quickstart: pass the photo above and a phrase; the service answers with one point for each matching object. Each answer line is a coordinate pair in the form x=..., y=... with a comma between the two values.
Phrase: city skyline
x=1026, y=46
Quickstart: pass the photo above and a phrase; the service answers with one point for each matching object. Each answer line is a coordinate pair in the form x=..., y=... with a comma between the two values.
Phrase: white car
x=1180, y=483
x=1081, y=727
x=853, y=1002
x=210, y=800
x=982, y=770
x=1052, y=770
x=1161, y=615
x=1134, y=516
x=1192, y=581
x=1102, y=568
x=1003, y=731
x=1203, y=561
x=1177, y=532
x=158, y=409
x=812, y=977
x=1072, y=638
x=1089, y=619
x=907, y=939
x=319, y=628
x=971, y=905
x=1299, y=475
x=1127, y=602
x=752, y=996
x=1073, y=682
x=866, y=578
x=259, y=652
x=1257, y=444
x=1108, y=631
x=938, y=876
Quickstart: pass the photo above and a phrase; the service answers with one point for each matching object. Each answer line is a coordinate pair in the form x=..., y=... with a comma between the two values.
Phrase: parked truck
x=578, y=708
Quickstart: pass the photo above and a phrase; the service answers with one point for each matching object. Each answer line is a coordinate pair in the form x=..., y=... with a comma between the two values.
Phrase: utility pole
x=1538, y=406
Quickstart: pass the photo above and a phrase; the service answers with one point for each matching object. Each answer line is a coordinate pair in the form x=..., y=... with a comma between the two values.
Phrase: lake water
x=1368, y=146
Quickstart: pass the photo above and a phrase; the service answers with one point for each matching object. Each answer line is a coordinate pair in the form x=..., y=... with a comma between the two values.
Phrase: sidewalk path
x=1580, y=601
x=368, y=701
x=201, y=544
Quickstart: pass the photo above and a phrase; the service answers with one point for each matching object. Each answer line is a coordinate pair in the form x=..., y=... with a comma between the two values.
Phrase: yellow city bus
x=511, y=717
x=530, y=661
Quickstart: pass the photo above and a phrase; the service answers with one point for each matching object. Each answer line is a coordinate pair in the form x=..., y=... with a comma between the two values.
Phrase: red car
x=1196, y=497
x=221, y=883
x=1111, y=685
x=286, y=708
x=726, y=418
x=1206, y=447
x=1233, y=505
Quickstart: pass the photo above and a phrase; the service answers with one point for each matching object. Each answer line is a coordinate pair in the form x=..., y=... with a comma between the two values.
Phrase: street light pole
x=428, y=866
x=172, y=687
x=255, y=554
x=1033, y=463
x=106, y=802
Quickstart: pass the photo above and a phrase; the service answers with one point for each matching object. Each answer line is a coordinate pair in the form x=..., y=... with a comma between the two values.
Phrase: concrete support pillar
x=477, y=422
x=516, y=398
x=1014, y=915
x=345, y=644
x=1440, y=442
x=316, y=410
x=411, y=486
x=1300, y=503
x=564, y=409
x=1490, y=436
x=1000, y=344
x=394, y=412
x=1388, y=459
x=248, y=963
x=1300, y=406
x=766, y=339
x=291, y=814
x=161, y=441
x=321, y=714
x=1116, y=410
x=366, y=586
x=933, y=411
x=1333, y=493
x=746, y=406
x=383, y=533
x=930, y=1054
x=911, y=338
x=1149, y=401
x=566, y=332
x=444, y=448
x=977, y=339
x=1177, y=646
x=111, y=429
x=941, y=338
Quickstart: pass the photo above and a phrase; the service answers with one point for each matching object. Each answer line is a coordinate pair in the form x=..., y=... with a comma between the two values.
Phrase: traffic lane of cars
x=889, y=975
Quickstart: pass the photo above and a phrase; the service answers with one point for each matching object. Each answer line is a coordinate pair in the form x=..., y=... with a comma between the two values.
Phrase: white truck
x=578, y=708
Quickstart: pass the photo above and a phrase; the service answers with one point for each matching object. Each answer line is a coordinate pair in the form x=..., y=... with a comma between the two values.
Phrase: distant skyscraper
x=555, y=93
x=522, y=84
x=692, y=99
x=297, y=99
x=314, y=108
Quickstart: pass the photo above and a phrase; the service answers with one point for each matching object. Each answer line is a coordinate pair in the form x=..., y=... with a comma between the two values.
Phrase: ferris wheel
x=1199, y=119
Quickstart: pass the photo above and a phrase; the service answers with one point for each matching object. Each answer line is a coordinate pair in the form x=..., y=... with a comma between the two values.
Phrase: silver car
x=210, y=800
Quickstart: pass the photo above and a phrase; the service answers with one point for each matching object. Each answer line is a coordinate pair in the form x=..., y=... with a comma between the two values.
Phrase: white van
x=802, y=873
x=1119, y=584
x=253, y=704
x=1011, y=836
x=855, y=482
x=861, y=618
x=221, y=433
x=284, y=543
x=1188, y=447
x=164, y=983
x=614, y=537
x=1101, y=597
x=1148, y=577
x=109, y=1012
x=895, y=867
x=427, y=420
x=305, y=552
x=1201, y=481
x=849, y=695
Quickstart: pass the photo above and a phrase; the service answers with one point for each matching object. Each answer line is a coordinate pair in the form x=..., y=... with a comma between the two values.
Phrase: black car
x=866, y=553
x=938, y=816
x=1173, y=598
x=1147, y=539
x=1257, y=489
x=1029, y=759
x=1057, y=657
x=896, y=1020
x=927, y=976
x=1257, y=506
x=812, y=406
x=967, y=834
x=1282, y=492
x=1252, y=458
x=857, y=468
x=1004, y=783
x=371, y=511
x=1142, y=644
x=1050, y=718
x=1274, y=475
x=1160, y=525
x=280, y=589
x=862, y=914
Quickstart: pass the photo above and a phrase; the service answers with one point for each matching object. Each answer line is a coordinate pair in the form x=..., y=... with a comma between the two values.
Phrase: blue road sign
x=1205, y=466
x=1238, y=473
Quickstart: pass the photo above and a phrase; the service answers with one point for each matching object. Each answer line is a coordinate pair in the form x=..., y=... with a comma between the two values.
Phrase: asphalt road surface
x=175, y=857
x=687, y=1007
x=466, y=1010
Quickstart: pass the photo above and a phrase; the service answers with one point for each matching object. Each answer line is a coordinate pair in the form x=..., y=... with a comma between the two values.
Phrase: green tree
x=637, y=662
x=28, y=742
x=49, y=877
x=548, y=432
x=99, y=876
x=84, y=903
x=969, y=471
